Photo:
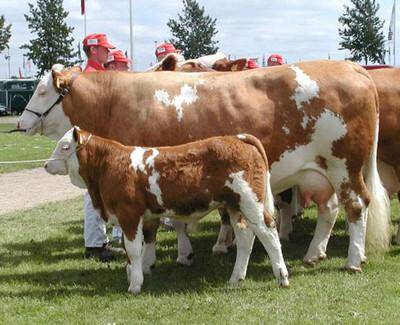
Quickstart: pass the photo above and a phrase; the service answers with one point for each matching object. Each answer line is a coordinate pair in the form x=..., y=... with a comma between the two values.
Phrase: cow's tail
x=269, y=198
x=378, y=222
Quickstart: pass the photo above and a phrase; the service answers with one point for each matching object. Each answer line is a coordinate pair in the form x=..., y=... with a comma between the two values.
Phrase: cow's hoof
x=284, y=238
x=235, y=280
x=353, y=269
x=134, y=289
x=220, y=249
x=147, y=269
x=310, y=262
x=185, y=260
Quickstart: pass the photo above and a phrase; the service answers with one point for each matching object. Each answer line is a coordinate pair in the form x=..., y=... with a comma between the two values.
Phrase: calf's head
x=64, y=159
x=44, y=111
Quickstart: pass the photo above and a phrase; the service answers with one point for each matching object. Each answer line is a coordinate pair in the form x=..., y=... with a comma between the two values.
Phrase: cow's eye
x=65, y=147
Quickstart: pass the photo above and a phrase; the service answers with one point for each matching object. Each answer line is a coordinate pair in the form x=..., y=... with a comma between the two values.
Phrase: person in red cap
x=117, y=61
x=275, y=59
x=96, y=48
x=164, y=49
x=97, y=245
x=252, y=64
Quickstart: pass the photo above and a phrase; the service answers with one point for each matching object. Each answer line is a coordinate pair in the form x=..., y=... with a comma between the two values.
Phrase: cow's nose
x=45, y=165
x=18, y=125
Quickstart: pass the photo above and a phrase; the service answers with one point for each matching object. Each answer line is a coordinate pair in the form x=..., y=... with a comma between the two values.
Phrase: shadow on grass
x=209, y=271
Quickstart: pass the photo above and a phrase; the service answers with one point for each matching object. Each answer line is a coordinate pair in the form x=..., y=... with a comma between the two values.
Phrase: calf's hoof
x=283, y=282
x=353, y=269
x=220, y=249
x=185, y=260
x=134, y=289
x=284, y=237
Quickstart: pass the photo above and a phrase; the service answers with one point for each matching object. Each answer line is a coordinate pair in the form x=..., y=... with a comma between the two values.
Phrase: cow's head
x=230, y=65
x=64, y=159
x=37, y=117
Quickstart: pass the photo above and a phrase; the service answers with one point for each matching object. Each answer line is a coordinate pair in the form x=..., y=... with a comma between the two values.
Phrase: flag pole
x=131, y=33
x=394, y=35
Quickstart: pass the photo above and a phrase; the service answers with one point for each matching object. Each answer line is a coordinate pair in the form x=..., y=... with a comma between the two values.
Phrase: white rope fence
x=24, y=161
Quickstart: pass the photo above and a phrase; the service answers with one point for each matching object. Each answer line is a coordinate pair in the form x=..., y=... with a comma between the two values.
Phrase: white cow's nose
x=45, y=165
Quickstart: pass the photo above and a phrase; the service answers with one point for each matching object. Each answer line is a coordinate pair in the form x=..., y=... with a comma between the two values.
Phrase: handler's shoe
x=103, y=254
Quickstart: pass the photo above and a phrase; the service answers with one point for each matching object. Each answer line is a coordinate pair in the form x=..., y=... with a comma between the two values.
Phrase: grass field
x=44, y=280
x=17, y=146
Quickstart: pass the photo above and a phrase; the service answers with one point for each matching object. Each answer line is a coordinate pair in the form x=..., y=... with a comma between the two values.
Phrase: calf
x=135, y=185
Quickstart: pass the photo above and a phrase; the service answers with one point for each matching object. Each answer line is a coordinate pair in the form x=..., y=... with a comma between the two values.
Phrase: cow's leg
x=244, y=244
x=185, y=250
x=327, y=214
x=134, y=252
x=285, y=223
x=149, y=249
x=225, y=236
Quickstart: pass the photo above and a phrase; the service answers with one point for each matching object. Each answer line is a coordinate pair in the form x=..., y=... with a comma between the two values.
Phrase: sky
x=297, y=29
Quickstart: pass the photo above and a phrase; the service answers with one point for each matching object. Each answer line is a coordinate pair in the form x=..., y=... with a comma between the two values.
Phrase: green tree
x=193, y=32
x=54, y=41
x=361, y=32
x=5, y=34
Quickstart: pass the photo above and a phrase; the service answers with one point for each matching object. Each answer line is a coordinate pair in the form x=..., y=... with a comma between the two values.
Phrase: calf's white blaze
x=137, y=159
x=188, y=95
x=249, y=203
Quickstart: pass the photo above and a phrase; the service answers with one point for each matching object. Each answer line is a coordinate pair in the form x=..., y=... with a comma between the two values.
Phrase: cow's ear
x=76, y=68
x=237, y=65
x=61, y=79
x=169, y=63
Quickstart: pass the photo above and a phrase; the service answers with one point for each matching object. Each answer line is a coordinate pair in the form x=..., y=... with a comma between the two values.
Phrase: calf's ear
x=76, y=134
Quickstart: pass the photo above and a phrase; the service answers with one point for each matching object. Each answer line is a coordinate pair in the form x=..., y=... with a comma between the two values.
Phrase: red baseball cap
x=165, y=48
x=97, y=40
x=117, y=56
x=275, y=59
x=252, y=64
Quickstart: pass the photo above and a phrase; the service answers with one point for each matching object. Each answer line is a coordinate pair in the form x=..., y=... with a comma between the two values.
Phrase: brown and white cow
x=136, y=184
x=215, y=62
x=318, y=119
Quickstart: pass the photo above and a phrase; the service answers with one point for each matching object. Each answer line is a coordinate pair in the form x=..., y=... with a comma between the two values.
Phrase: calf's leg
x=149, y=249
x=244, y=244
x=134, y=251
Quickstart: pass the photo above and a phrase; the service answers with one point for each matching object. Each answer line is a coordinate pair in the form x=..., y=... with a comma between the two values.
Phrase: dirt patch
x=28, y=188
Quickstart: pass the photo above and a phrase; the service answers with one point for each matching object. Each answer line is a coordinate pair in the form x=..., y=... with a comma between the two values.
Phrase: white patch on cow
x=285, y=129
x=241, y=136
x=305, y=121
x=329, y=127
x=208, y=60
x=149, y=257
x=188, y=95
x=306, y=88
x=248, y=203
x=137, y=159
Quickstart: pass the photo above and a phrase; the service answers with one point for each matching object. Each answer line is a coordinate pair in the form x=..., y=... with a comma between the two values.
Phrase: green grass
x=45, y=280
x=16, y=146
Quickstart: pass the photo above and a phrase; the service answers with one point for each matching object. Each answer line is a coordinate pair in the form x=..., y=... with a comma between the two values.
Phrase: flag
x=83, y=7
x=392, y=22
x=20, y=73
